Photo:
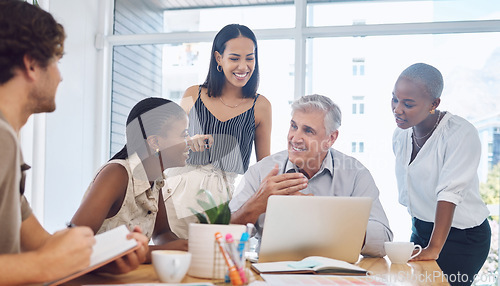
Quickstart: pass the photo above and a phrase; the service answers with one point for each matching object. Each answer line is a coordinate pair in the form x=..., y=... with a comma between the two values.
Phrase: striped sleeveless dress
x=233, y=138
x=214, y=169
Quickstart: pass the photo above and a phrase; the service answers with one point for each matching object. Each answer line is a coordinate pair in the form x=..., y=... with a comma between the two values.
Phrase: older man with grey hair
x=311, y=166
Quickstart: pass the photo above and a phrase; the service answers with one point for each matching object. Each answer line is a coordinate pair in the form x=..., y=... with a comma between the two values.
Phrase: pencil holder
x=222, y=275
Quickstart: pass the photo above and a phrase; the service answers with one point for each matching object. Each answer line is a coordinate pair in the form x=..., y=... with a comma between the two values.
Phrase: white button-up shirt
x=445, y=169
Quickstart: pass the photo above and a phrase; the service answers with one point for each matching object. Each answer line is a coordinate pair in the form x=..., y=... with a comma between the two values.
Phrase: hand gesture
x=200, y=142
x=274, y=184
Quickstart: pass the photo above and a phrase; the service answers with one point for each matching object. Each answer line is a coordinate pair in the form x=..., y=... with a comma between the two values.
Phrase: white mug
x=171, y=265
x=400, y=252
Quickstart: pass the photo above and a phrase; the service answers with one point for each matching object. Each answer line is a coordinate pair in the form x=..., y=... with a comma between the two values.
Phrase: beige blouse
x=140, y=205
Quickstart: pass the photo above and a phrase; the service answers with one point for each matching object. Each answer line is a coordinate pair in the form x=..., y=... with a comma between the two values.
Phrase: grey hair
x=333, y=115
x=430, y=76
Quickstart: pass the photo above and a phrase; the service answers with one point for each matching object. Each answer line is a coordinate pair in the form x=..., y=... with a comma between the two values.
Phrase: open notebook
x=310, y=265
x=109, y=246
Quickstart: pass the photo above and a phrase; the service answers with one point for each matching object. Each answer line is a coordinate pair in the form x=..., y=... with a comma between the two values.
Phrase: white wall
x=73, y=132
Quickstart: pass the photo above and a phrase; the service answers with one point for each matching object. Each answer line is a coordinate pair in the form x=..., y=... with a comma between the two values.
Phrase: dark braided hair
x=149, y=116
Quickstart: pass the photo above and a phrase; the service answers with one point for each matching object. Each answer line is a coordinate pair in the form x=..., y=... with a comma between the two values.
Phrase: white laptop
x=300, y=226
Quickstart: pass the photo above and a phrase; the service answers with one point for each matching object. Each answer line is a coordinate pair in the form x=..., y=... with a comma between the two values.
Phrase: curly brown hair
x=26, y=29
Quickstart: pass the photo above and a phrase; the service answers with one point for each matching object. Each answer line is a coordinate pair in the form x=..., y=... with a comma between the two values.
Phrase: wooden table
x=412, y=273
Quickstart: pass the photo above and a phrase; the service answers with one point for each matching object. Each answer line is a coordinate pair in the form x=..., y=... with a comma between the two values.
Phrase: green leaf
x=201, y=217
x=204, y=205
x=212, y=214
x=210, y=198
x=224, y=214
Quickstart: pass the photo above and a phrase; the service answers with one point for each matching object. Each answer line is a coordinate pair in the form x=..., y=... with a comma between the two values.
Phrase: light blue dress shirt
x=339, y=175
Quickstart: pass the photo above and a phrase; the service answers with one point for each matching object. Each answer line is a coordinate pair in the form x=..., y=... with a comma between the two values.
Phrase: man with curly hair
x=31, y=44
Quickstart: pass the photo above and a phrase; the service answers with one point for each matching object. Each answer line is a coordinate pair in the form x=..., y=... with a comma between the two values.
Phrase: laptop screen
x=299, y=226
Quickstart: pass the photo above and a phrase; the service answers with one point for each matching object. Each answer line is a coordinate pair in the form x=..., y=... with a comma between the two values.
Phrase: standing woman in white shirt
x=437, y=156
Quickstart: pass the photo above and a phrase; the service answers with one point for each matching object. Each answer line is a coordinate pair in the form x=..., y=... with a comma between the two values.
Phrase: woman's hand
x=200, y=142
x=132, y=260
x=426, y=254
x=443, y=219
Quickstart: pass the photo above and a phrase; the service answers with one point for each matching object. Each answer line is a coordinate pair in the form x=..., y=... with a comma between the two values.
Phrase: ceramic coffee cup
x=401, y=252
x=171, y=265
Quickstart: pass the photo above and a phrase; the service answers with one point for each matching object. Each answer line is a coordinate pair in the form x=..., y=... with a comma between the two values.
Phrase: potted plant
x=214, y=214
x=201, y=242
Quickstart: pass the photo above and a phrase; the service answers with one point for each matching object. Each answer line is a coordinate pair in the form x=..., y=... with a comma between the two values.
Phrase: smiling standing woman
x=437, y=156
x=226, y=117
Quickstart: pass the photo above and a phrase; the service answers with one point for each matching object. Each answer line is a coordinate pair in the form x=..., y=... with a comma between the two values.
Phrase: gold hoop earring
x=432, y=111
x=219, y=68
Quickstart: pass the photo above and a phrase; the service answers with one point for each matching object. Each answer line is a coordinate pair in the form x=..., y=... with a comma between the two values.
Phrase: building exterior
x=489, y=134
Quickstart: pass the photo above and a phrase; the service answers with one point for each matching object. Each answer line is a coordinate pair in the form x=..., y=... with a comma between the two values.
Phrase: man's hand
x=272, y=184
x=200, y=142
x=67, y=251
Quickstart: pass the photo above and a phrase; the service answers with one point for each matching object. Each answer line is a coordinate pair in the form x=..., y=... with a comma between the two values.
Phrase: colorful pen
x=233, y=273
x=233, y=252
x=241, y=245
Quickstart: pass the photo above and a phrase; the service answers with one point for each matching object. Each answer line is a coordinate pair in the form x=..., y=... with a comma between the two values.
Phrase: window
x=358, y=106
x=147, y=16
x=357, y=147
x=342, y=13
x=213, y=19
x=358, y=67
x=177, y=65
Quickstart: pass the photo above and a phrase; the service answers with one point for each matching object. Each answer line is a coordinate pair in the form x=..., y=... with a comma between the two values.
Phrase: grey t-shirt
x=14, y=208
